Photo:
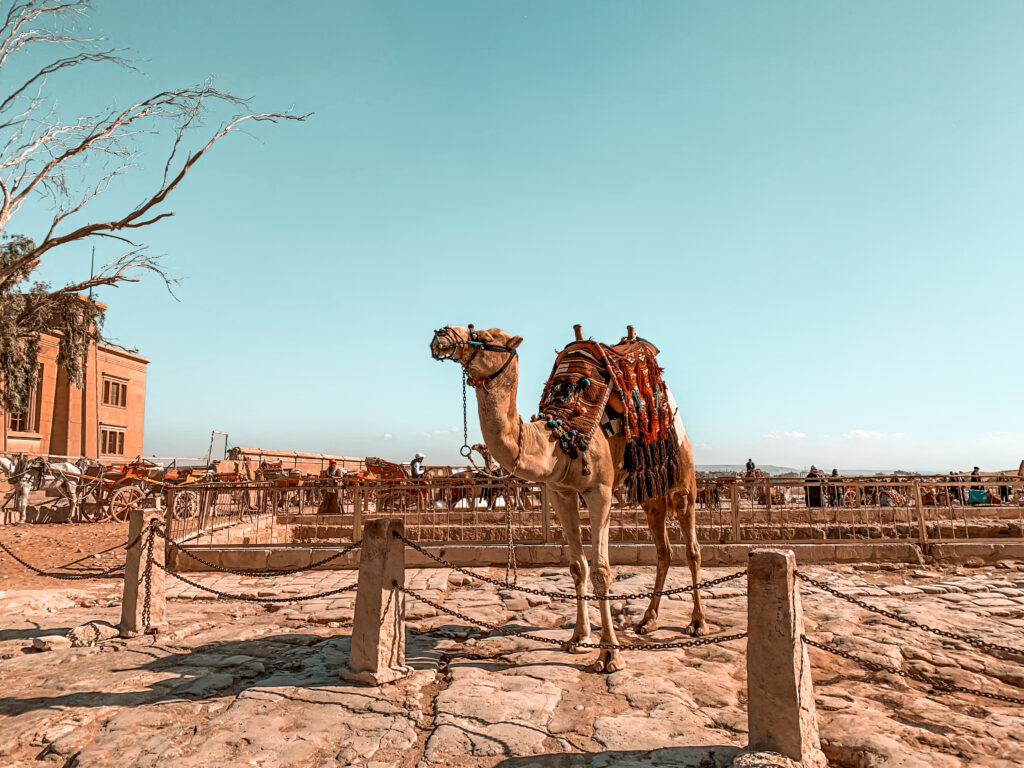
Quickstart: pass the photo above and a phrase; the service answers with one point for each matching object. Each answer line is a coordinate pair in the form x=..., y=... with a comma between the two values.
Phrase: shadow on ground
x=718, y=756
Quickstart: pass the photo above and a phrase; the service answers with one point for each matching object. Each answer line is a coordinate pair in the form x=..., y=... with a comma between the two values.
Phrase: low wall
x=281, y=558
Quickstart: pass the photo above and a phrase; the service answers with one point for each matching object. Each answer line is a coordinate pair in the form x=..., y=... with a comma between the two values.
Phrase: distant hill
x=771, y=469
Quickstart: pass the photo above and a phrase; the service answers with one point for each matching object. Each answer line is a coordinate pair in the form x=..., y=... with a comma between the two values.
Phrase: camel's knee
x=578, y=571
x=693, y=553
x=601, y=575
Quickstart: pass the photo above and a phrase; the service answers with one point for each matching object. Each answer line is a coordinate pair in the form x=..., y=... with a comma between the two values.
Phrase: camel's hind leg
x=686, y=509
x=657, y=518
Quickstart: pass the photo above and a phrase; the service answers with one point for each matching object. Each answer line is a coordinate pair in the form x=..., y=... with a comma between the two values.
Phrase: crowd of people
x=815, y=495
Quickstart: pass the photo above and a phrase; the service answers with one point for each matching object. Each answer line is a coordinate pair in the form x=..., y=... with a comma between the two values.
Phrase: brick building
x=103, y=420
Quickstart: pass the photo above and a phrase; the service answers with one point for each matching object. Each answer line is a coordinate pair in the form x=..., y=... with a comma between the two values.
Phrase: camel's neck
x=499, y=419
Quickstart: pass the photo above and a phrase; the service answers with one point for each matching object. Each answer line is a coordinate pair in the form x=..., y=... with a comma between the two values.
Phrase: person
x=813, y=488
x=835, y=493
x=1005, y=490
x=955, y=491
x=416, y=465
x=331, y=504
x=976, y=477
x=750, y=467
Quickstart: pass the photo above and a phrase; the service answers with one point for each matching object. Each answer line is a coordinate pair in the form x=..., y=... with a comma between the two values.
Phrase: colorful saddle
x=619, y=388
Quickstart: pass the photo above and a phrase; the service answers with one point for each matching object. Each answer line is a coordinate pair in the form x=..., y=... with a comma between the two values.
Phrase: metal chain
x=512, y=564
x=465, y=451
x=258, y=574
x=147, y=579
x=942, y=685
x=246, y=599
x=973, y=641
x=567, y=643
x=71, y=576
x=566, y=595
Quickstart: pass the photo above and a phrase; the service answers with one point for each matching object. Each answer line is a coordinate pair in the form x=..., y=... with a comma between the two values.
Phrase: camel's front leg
x=686, y=509
x=657, y=516
x=599, y=500
x=567, y=507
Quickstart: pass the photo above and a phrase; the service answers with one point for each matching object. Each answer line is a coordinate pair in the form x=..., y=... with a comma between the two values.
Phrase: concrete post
x=378, y=627
x=133, y=601
x=780, y=698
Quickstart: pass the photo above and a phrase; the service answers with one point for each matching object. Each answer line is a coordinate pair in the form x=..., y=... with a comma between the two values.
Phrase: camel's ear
x=514, y=342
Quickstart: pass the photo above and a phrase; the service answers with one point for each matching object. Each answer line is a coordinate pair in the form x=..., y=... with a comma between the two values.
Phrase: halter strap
x=458, y=352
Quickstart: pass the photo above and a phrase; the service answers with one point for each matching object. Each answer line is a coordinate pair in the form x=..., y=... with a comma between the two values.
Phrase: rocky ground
x=237, y=684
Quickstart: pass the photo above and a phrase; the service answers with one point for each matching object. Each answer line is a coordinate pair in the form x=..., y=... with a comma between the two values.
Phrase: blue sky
x=814, y=210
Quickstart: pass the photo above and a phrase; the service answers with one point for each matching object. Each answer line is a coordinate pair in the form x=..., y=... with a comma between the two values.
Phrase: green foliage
x=25, y=315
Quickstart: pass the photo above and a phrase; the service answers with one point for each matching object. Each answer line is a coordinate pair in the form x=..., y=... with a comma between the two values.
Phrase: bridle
x=458, y=352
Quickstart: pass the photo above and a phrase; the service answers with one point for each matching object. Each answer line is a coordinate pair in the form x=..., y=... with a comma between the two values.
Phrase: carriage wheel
x=123, y=500
x=186, y=505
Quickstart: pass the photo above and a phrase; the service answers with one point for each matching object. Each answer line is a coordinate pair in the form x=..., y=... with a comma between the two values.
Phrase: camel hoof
x=571, y=648
x=646, y=626
x=608, y=661
x=698, y=628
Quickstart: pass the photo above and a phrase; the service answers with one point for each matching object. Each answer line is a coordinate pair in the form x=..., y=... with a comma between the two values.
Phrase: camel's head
x=483, y=354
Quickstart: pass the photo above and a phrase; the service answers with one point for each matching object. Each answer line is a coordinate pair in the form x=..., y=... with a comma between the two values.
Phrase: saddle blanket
x=621, y=389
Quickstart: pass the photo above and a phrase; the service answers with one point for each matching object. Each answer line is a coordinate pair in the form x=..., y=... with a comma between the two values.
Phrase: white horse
x=21, y=486
x=62, y=475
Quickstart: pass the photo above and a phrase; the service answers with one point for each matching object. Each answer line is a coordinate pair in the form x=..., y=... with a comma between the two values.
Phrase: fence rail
x=487, y=510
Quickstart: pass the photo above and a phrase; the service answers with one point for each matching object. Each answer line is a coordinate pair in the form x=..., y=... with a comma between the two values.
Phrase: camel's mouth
x=446, y=344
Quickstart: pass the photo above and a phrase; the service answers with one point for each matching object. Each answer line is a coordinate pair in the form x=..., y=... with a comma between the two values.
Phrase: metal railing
x=486, y=511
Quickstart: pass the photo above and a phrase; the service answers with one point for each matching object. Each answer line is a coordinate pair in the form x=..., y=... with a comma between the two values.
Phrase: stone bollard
x=133, y=601
x=780, y=697
x=378, y=627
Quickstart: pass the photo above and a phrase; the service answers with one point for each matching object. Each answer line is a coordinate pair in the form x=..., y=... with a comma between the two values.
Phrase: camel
x=530, y=451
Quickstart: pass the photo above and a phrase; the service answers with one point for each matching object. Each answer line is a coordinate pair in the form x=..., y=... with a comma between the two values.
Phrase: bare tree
x=65, y=166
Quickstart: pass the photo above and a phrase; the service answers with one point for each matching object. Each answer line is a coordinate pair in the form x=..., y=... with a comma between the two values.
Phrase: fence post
x=378, y=628
x=780, y=697
x=133, y=601
x=734, y=497
x=922, y=529
x=545, y=517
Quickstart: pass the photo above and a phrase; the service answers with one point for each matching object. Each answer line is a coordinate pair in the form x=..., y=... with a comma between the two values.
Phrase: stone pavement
x=238, y=684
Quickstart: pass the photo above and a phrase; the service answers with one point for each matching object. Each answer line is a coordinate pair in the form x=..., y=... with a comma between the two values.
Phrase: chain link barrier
x=972, y=641
x=262, y=600
x=513, y=563
x=147, y=578
x=258, y=574
x=940, y=685
x=565, y=595
x=71, y=576
x=565, y=643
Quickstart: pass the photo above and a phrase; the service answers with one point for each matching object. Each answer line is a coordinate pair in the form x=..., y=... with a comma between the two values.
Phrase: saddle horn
x=630, y=332
x=578, y=330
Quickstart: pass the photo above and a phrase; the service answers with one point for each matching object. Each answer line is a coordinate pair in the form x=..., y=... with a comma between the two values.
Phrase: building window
x=28, y=420
x=115, y=392
x=112, y=441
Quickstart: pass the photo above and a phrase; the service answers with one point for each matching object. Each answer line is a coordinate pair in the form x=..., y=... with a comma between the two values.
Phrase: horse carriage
x=117, y=489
